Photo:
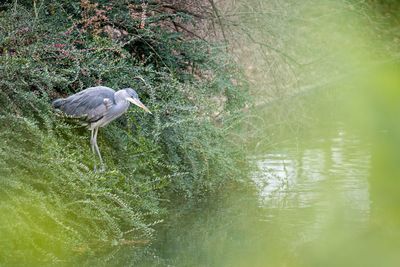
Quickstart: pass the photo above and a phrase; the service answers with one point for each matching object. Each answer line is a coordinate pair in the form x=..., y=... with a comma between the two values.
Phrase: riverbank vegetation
x=54, y=207
x=199, y=66
x=300, y=50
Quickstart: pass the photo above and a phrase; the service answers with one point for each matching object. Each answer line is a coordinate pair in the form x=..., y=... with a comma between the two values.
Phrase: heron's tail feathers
x=58, y=103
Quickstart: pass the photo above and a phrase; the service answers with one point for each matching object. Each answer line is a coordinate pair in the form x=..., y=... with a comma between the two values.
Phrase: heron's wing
x=90, y=104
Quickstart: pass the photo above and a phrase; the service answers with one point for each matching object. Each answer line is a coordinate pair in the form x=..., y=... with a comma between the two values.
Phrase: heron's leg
x=96, y=130
x=92, y=140
x=92, y=144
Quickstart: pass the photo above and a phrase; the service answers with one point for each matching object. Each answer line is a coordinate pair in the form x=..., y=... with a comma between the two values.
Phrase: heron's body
x=96, y=107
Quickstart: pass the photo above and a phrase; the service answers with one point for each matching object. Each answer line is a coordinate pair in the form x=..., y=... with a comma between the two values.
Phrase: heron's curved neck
x=120, y=96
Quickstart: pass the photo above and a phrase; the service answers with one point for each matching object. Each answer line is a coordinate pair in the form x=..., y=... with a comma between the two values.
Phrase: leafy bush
x=53, y=206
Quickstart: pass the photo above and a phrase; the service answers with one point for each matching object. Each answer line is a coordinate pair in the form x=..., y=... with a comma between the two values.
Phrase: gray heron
x=96, y=107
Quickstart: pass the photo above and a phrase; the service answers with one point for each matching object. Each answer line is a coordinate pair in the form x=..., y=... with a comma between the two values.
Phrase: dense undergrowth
x=53, y=207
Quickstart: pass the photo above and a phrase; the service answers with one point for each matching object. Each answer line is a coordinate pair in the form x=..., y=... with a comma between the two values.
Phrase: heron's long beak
x=138, y=103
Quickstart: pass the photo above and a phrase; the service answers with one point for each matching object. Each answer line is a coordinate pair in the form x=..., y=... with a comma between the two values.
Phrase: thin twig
x=216, y=12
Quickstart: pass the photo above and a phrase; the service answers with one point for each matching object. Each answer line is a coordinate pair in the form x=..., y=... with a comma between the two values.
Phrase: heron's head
x=134, y=99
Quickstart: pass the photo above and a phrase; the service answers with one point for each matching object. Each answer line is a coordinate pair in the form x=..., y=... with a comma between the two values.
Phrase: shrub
x=53, y=206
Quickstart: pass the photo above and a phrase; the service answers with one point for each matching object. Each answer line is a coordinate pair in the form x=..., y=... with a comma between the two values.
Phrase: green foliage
x=53, y=206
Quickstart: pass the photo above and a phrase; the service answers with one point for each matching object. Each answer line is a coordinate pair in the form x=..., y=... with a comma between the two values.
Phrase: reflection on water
x=306, y=193
x=314, y=184
x=293, y=177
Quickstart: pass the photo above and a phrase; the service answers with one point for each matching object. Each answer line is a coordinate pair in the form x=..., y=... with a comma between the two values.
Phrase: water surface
x=304, y=195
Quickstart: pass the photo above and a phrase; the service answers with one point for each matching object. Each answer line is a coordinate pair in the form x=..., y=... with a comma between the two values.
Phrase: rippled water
x=309, y=186
x=308, y=194
x=294, y=177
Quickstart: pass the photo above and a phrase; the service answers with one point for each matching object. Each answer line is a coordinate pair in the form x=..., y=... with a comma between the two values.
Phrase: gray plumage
x=96, y=107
